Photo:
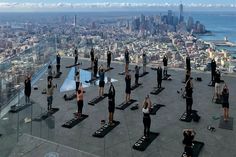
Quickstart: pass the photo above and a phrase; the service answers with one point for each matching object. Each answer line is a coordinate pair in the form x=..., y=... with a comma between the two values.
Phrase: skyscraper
x=181, y=17
x=75, y=21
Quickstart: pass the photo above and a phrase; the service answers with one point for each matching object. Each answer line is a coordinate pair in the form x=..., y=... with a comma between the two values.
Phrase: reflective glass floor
x=29, y=146
x=69, y=83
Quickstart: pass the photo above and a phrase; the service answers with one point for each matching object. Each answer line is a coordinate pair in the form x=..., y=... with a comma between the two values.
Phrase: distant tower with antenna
x=181, y=8
x=75, y=17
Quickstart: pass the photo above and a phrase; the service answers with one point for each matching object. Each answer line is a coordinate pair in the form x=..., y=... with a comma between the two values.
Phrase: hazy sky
x=125, y=1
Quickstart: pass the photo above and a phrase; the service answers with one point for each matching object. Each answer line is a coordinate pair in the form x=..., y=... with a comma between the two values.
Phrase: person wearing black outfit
x=76, y=55
x=187, y=75
x=136, y=74
x=146, y=116
x=77, y=80
x=189, y=135
x=95, y=67
x=126, y=60
x=27, y=89
x=159, y=77
x=50, y=72
x=213, y=70
x=92, y=57
x=144, y=62
x=165, y=62
x=217, y=85
x=111, y=103
x=128, y=87
x=225, y=102
x=189, y=97
x=101, y=73
x=108, y=59
x=188, y=64
x=58, y=66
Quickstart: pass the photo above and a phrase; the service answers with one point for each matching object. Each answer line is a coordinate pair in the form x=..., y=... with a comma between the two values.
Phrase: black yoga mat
x=155, y=108
x=97, y=99
x=71, y=123
x=157, y=91
x=46, y=114
x=124, y=105
x=133, y=87
x=105, y=129
x=15, y=108
x=197, y=147
x=143, y=142
x=228, y=125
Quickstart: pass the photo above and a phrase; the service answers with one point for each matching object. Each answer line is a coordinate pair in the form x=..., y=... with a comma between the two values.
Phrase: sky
x=70, y=5
x=124, y=1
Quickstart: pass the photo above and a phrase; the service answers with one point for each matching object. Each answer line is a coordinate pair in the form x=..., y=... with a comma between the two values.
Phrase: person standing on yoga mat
x=95, y=67
x=128, y=87
x=225, y=102
x=92, y=57
x=146, y=116
x=27, y=89
x=80, y=100
x=189, y=97
x=76, y=55
x=58, y=62
x=213, y=70
x=188, y=64
x=144, y=62
x=50, y=90
x=126, y=60
x=49, y=71
x=77, y=80
x=101, y=81
x=108, y=59
x=159, y=77
x=165, y=62
x=188, y=142
x=217, y=85
x=136, y=74
x=111, y=103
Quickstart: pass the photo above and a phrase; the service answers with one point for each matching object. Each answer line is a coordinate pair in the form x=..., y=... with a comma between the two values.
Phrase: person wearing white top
x=146, y=116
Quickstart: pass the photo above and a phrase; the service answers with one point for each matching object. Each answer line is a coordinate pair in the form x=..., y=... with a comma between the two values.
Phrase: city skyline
x=109, y=5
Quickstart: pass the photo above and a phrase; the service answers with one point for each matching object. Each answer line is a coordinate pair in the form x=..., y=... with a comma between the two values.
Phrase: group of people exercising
x=147, y=104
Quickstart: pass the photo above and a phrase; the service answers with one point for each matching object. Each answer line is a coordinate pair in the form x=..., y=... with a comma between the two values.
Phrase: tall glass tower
x=181, y=17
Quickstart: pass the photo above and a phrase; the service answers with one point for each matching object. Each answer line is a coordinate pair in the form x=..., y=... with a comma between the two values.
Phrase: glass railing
x=31, y=61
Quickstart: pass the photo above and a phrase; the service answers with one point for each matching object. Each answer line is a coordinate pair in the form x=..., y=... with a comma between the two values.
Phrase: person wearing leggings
x=80, y=100
x=146, y=116
x=95, y=67
x=108, y=59
x=92, y=57
x=136, y=75
x=189, y=97
x=111, y=103
x=128, y=87
x=76, y=55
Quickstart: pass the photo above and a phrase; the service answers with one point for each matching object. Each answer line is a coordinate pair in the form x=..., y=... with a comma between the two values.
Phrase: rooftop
x=41, y=138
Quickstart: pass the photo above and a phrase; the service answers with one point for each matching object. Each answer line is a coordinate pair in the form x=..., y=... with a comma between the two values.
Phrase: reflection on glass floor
x=69, y=83
x=29, y=146
x=12, y=126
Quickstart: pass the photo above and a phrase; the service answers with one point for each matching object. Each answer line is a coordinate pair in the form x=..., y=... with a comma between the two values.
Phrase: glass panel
x=29, y=146
x=69, y=83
